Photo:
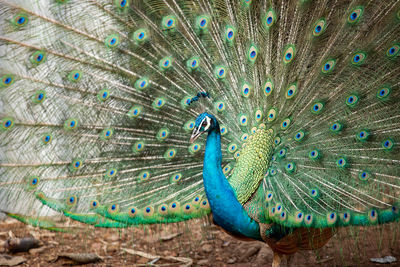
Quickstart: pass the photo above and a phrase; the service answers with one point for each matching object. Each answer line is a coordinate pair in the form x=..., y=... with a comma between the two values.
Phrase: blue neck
x=227, y=211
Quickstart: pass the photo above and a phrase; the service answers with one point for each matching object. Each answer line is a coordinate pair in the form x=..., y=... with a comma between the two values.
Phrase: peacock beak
x=195, y=134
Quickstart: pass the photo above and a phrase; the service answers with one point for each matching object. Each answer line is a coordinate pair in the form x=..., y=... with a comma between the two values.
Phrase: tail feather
x=97, y=108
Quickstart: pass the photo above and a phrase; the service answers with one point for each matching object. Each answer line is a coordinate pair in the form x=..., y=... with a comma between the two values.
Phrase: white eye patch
x=206, y=123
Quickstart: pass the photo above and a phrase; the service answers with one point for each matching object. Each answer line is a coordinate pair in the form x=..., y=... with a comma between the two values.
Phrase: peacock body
x=300, y=101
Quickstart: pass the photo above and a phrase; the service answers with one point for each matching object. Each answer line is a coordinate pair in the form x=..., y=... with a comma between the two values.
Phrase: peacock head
x=204, y=123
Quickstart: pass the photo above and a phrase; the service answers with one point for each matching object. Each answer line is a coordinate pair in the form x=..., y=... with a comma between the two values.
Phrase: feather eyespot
x=383, y=93
x=148, y=211
x=20, y=20
x=112, y=172
x=269, y=18
x=74, y=76
x=76, y=164
x=138, y=147
x=39, y=96
x=229, y=34
x=193, y=148
x=246, y=90
x=258, y=115
x=252, y=53
x=106, y=134
x=94, y=204
x=220, y=72
x=163, y=209
x=314, y=193
x=103, y=95
x=169, y=22
x=290, y=167
x=113, y=208
x=144, y=176
x=308, y=219
x=277, y=140
x=175, y=178
x=355, y=15
x=163, y=134
x=336, y=127
x=112, y=40
x=122, y=4
x=170, y=153
x=285, y=124
x=232, y=147
x=363, y=135
x=243, y=120
x=291, y=91
x=174, y=206
x=204, y=205
x=33, y=182
x=364, y=175
x=388, y=144
x=202, y=22
x=282, y=153
x=71, y=124
x=298, y=217
x=165, y=63
x=317, y=108
x=345, y=217
x=299, y=136
x=134, y=112
x=142, y=83
x=269, y=196
x=133, y=212
x=140, y=35
x=193, y=63
x=227, y=168
x=289, y=54
x=38, y=57
x=373, y=216
x=314, y=154
x=223, y=130
x=46, y=138
x=358, y=58
x=158, y=103
x=72, y=200
x=328, y=66
x=268, y=87
x=319, y=27
x=271, y=116
x=7, y=80
x=331, y=218
x=393, y=51
x=341, y=162
x=352, y=100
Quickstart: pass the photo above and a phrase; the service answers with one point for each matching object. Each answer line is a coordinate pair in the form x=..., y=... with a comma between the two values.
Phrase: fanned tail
x=98, y=99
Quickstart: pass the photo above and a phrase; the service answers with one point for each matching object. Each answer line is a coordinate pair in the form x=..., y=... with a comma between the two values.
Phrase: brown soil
x=196, y=242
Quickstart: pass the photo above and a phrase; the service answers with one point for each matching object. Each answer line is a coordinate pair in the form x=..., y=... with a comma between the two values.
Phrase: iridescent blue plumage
x=227, y=211
x=299, y=100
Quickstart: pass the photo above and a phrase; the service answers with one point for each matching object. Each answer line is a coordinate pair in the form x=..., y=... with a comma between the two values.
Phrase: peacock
x=281, y=119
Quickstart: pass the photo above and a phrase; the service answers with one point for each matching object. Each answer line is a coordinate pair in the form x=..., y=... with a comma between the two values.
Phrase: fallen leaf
x=387, y=259
x=82, y=258
x=170, y=236
x=6, y=260
x=14, y=245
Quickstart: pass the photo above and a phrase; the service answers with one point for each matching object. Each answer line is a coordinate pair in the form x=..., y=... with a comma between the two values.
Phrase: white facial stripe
x=208, y=120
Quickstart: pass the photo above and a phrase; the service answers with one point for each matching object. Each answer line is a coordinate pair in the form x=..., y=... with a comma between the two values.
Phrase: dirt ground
x=195, y=243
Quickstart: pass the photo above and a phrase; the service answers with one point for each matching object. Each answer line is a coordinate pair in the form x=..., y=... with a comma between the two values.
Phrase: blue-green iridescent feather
x=96, y=112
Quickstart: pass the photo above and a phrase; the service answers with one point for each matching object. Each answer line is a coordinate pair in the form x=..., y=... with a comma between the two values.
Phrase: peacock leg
x=277, y=259
x=289, y=260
